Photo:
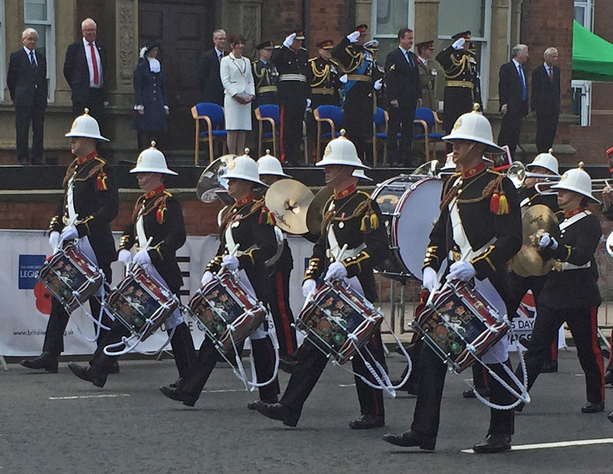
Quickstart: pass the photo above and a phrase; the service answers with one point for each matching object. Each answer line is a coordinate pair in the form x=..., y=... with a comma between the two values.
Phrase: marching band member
x=576, y=274
x=607, y=211
x=270, y=171
x=89, y=205
x=247, y=224
x=157, y=215
x=478, y=231
x=351, y=218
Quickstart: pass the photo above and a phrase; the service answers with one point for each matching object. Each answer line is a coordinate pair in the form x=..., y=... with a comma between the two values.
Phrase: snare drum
x=410, y=207
x=70, y=276
x=141, y=303
x=458, y=316
x=227, y=310
x=338, y=320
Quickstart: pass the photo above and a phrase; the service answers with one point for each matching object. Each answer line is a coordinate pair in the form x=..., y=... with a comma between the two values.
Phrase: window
x=389, y=16
x=581, y=98
x=40, y=15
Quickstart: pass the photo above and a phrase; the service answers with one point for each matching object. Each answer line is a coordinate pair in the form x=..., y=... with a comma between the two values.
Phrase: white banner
x=26, y=303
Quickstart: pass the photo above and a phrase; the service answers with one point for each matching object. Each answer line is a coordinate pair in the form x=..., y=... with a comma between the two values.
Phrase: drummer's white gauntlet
x=54, y=239
x=308, y=286
x=70, y=232
x=429, y=279
x=207, y=277
x=230, y=262
x=125, y=257
x=548, y=241
x=336, y=271
x=142, y=258
x=462, y=271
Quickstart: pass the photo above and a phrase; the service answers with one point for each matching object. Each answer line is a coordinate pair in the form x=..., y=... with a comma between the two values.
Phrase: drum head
x=389, y=193
x=417, y=214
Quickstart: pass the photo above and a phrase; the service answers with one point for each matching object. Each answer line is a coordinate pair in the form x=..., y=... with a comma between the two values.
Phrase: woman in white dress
x=237, y=80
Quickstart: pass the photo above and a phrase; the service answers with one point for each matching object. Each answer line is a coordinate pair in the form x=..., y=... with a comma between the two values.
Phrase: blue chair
x=210, y=118
x=327, y=117
x=268, y=113
x=426, y=121
x=379, y=131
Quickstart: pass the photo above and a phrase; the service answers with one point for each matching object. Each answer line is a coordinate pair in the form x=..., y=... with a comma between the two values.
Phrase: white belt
x=293, y=77
x=565, y=266
x=459, y=236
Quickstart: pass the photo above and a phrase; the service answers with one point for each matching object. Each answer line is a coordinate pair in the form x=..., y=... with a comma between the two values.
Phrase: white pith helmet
x=152, y=160
x=341, y=151
x=360, y=174
x=269, y=165
x=474, y=127
x=244, y=167
x=86, y=126
x=545, y=160
x=577, y=180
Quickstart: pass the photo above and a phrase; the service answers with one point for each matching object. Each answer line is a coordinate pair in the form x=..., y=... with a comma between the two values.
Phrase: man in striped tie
x=513, y=93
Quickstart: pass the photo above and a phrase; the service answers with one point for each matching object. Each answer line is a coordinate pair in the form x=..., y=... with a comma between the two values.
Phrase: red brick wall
x=279, y=17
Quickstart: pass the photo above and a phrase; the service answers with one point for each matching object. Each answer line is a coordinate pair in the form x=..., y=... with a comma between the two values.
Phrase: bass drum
x=410, y=207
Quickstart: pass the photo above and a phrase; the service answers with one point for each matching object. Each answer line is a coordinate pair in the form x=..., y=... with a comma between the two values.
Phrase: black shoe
x=409, y=439
x=610, y=417
x=255, y=403
x=590, y=407
x=88, y=374
x=367, y=422
x=608, y=377
x=519, y=408
x=483, y=391
x=550, y=367
x=45, y=361
x=176, y=383
x=277, y=411
x=179, y=395
x=287, y=364
x=493, y=443
x=114, y=369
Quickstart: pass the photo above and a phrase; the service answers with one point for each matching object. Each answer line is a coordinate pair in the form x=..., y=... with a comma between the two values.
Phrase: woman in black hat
x=150, y=104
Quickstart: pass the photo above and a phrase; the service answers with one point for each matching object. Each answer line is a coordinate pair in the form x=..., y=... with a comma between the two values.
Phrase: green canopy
x=592, y=56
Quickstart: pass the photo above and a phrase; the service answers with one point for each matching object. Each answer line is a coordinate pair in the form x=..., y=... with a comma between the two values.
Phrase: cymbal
x=211, y=180
x=289, y=200
x=315, y=211
x=528, y=261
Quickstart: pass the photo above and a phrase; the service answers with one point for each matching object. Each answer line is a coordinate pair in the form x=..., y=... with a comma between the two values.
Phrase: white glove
x=308, y=286
x=54, y=239
x=459, y=44
x=353, y=37
x=125, y=257
x=336, y=271
x=230, y=262
x=462, y=271
x=343, y=79
x=429, y=279
x=142, y=258
x=548, y=241
x=378, y=84
x=289, y=40
x=207, y=277
x=69, y=233
x=308, y=103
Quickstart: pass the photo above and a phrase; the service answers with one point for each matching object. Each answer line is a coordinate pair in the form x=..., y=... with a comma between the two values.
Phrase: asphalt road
x=56, y=423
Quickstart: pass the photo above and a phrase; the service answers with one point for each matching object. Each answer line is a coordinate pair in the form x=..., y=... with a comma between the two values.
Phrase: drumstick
x=146, y=247
x=342, y=253
x=68, y=224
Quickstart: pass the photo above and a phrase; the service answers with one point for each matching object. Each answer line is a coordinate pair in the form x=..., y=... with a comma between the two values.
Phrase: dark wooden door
x=183, y=27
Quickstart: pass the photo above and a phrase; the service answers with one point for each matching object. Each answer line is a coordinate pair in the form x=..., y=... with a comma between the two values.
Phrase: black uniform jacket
x=531, y=197
x=402, y=80
x=356, y=220
x=351, y=57
x=481, y=225
x=265, y=76
x=253, y=230
x=96, y=204
x=76, y=70
x=163, y=221
x=28, y=85
x=288, y=61
x=458, y=65
x=577, y=288
x=324, y=82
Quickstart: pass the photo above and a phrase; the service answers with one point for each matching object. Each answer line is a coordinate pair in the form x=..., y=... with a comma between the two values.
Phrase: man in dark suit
x=209, y=80
x=84, y=70
x=403, y=94
x=513, y=93
x=545, y=100
x=27, y=82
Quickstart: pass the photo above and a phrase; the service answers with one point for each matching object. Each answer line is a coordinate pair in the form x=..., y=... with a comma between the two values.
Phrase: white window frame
x=49, y=42
x=585, y=87
x=373, y=16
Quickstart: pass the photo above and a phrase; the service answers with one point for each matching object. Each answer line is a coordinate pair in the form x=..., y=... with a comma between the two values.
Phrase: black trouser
x=510, y=129
x=263, y=357
x=290, y=135
x=24, y=116
x=357, y=120
x=58, y=320
x=432, y=373
x=311, y=363
x=583, y=325
x=282, y=313
x=400, y=122
x=546, y=126
x=145, y=137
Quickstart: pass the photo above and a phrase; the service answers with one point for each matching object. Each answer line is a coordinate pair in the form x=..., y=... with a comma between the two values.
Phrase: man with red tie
x=545, y=99
x=84, y=70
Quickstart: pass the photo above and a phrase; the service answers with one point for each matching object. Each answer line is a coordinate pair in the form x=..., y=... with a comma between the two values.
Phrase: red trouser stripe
x=281, y=119
x=287, y=330
x=595, y=346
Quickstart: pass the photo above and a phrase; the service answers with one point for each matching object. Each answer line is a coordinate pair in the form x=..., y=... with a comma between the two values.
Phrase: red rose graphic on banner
x=43, y=298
